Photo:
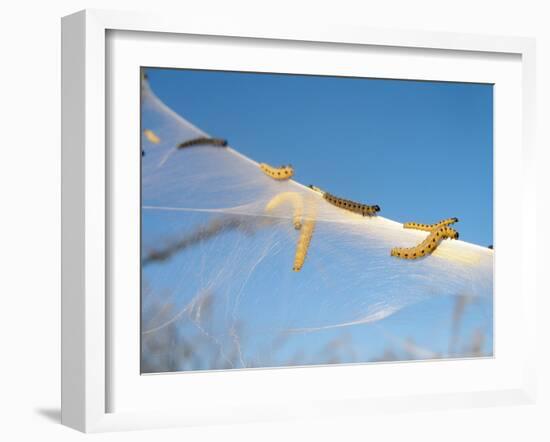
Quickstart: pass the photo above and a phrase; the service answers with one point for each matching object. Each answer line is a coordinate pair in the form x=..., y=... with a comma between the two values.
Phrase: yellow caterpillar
x=151, y=136
x=288, y=197
x=430, y=227
x=427, y=246
x=277, y=173
x=362, y=209
x=303, y=244
x=202, y=141
x=306, y=233
x=352, y=206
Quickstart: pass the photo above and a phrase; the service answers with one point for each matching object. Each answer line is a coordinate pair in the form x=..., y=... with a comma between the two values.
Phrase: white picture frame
x=87, y=208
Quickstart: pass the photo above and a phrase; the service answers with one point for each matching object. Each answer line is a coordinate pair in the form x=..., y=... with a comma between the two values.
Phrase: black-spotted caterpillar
x=430, y=227
x=438, y=232
x=277, y=173
x=352, y=206
x=203, y=141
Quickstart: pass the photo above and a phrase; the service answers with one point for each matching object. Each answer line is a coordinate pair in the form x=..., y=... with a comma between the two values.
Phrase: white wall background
x=30, y=217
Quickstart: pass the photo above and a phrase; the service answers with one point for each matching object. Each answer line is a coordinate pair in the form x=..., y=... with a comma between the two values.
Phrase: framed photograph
x=265, y=222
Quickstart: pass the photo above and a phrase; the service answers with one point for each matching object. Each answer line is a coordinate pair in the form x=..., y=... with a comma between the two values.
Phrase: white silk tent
x=218, y=286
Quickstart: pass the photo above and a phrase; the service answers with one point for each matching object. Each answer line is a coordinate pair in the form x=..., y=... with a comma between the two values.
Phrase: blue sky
x=423, y=151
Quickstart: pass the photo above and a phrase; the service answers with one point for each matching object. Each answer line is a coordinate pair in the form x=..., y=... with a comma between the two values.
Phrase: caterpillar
x=303, y=244
x=151, y=136
x=430, y=227
x=295, y=199
x=362, y=209
x=306, y=233
x=316, y=189
x=428, y=245
x=202, y=141
x=352, y=206
x=277, y=173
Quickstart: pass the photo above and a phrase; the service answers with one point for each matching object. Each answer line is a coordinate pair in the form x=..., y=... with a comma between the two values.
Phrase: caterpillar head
x=287, y=170
x=451, y=233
